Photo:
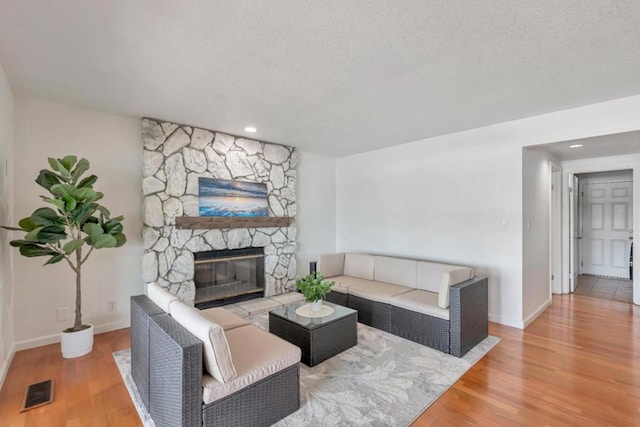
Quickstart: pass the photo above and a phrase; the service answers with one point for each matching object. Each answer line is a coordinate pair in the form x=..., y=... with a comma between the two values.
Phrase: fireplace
x=228, y=276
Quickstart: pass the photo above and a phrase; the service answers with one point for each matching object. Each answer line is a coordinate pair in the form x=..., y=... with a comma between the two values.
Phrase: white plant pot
x=76, y=344
x=316, y=305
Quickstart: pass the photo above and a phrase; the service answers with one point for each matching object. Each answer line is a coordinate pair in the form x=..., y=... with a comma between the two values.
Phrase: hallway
x=605, y=288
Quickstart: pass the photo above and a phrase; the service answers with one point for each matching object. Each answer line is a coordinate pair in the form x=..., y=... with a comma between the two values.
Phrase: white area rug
x=383, y=381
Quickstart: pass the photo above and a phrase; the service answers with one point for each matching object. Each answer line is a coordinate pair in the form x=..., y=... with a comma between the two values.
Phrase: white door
x=606, y=228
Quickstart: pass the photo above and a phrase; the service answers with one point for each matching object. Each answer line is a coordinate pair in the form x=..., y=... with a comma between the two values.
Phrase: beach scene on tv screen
x=220, y=197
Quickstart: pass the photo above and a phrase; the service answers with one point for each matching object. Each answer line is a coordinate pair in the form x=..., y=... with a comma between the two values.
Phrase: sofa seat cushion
x=341, y=283
x=377, y=291
x=224, y=318
x=256, y=354
x=424, y=302
x=217, y=356
x=160, y=296
x=337, y=287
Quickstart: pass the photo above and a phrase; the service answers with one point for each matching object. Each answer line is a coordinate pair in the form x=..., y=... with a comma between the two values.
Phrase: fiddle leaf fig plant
x=314, y=287
x=73, y=226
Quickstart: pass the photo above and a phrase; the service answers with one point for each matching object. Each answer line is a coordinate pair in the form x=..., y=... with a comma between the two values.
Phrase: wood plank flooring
x=88, y=391
x=577, y=364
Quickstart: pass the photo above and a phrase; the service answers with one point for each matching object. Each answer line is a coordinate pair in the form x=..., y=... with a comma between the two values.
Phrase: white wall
x=113, y=146
x=444, y=198
x=445, y=204
x=536, y=208
x=316, y=217
x=6, y=218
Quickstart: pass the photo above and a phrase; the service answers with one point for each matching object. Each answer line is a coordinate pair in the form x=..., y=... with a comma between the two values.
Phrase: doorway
x=575, y=158
x=604, y=234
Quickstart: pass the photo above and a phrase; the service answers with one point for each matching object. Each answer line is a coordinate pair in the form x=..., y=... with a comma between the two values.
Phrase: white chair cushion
x=257, y=354
x=217, y=356
x=421, y=302
x=160, y=296
x=396, y=271
x=330, y=265
x=378, y=291
x=358, y=265
x=226, y=319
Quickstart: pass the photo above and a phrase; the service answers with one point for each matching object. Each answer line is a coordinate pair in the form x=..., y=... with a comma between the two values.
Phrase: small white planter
x=316, y=305
x=76, y=344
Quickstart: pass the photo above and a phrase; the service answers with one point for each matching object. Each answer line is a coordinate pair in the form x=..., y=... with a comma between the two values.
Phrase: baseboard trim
x=533, y=316
x=6, y=364
x=37, y=342
x=55, y=338
x=113, y=326
x=507, y=322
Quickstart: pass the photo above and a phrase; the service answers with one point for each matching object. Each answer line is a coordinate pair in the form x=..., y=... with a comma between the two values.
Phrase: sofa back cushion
x=456, y=275
x=217, y=356
x=436, y=277
x=160, y=296
x=330, y=265
x=396, y=271
x=358, y=265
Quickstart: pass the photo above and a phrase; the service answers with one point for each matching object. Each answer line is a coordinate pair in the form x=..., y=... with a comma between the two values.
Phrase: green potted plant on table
x=314, y=288
x=61, y=232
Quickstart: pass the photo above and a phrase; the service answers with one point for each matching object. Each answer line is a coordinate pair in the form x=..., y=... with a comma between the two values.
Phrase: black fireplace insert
x=227, y=276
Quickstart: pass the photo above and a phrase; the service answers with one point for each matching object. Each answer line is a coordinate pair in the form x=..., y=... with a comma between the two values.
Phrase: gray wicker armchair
x=167, y=367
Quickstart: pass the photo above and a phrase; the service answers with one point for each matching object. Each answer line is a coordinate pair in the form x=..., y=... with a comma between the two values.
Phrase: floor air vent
x=38, y=394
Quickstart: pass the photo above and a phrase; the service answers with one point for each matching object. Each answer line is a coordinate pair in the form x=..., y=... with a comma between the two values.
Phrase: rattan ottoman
x=319, y=338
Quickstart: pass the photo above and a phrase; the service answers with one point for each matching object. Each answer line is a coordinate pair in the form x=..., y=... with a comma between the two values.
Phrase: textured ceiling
x=332, y=77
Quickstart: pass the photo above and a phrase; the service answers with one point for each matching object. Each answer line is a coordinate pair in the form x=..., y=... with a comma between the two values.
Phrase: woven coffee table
x=319, y=338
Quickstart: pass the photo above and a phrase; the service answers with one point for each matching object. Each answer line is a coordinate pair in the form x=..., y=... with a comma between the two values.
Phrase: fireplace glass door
x=227, y=274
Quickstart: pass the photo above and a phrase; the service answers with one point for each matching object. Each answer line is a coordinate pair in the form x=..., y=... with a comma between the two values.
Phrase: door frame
x=576, y=227
x=555, y=229
x=598, y=165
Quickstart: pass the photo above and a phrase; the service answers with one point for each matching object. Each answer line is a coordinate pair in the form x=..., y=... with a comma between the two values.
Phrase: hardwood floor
x=88, y=390
x=577, y=364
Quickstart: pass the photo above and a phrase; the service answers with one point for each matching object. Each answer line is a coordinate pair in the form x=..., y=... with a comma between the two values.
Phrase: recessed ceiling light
x=250, y=129
x=576, y=146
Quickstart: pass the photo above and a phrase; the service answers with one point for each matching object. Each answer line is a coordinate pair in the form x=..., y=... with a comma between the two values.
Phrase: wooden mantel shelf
x=208, y=222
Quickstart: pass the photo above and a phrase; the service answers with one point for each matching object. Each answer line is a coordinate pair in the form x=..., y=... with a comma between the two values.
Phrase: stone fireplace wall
x=174, y=157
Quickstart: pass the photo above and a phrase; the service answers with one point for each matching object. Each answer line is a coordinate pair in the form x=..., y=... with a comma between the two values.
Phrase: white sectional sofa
x=209, y=367
x=439, y=305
